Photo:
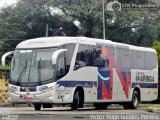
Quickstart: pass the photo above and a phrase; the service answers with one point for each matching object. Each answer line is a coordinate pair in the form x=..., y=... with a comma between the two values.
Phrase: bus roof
x=46, y=42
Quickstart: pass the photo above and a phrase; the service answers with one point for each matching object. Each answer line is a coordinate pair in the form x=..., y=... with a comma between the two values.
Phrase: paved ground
x=64, y=113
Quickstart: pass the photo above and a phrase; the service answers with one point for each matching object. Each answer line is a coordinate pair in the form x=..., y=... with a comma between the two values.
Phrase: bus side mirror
x=56, y=54
x=3, y=59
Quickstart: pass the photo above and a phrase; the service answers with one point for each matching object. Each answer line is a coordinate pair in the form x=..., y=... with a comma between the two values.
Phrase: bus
x=74, y=71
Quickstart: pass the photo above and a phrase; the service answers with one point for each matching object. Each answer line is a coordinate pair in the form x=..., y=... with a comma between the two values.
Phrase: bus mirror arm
x=3, y=59
x=56, y=54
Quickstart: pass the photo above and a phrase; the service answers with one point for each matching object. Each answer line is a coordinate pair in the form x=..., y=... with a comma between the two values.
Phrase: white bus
x=76, y=70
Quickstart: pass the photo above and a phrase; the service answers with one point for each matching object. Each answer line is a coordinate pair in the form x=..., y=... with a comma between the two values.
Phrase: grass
x=154, y=104
x=149, y=105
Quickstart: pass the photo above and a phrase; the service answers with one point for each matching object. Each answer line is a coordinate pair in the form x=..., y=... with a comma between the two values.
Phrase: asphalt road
x=64, y=113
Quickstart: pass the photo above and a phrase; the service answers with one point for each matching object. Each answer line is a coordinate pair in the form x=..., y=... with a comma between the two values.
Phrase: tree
x=133, y=27
x=156, y=46
x=28, y=19
x=87, y=12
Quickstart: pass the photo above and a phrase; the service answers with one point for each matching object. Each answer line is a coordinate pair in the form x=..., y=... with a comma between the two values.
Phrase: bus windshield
x=32, y=67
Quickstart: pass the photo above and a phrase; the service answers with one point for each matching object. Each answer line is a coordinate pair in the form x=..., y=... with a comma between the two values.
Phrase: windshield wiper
x=20, y=75
x=39, y=72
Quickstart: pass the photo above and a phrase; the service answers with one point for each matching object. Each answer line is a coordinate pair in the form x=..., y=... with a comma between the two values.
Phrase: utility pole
x=46, y=30
x=104, y=31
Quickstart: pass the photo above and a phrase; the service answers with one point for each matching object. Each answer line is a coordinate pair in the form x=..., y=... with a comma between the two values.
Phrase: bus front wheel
x=76, y=101
x=37, y=106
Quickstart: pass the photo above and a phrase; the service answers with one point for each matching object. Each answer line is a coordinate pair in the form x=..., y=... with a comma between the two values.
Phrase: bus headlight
x=46, y=88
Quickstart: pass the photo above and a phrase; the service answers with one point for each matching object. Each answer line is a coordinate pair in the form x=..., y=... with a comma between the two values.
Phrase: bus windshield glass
x=32, y=67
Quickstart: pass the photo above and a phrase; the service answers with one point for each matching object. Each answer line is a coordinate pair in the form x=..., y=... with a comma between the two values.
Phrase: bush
x=156, y=46
x=4, y=68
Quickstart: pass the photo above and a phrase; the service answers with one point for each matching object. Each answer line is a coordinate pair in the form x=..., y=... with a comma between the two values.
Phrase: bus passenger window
x=79, y=64
x=89, y=55
x=107, y=63
x=68, y=55
x=82, y=58
x=99, y=61
x=61, y=71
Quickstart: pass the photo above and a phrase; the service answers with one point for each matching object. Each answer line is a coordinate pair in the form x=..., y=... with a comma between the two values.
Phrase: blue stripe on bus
x=93, y=83
x=77, y=83
x=145, y=85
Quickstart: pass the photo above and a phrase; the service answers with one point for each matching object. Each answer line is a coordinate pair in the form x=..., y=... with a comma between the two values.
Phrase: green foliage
x=28, y=19
x=119, y=24
x=88, y=13
x=5, y=68
x=156, y=46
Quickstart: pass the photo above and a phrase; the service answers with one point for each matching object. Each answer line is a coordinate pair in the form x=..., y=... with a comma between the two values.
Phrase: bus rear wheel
x=37, y=106
x=134, y=103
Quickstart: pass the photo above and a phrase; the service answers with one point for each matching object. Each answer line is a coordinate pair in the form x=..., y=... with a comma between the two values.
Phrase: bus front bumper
x=48, y=97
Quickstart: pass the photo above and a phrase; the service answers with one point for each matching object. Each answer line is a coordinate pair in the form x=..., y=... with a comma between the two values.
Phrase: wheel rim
x=135, y=101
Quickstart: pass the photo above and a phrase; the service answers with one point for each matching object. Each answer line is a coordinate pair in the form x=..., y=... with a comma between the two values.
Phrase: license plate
x=27, y=98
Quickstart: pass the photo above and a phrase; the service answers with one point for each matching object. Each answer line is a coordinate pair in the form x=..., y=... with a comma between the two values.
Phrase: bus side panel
x=84, y=77
x=147, y=81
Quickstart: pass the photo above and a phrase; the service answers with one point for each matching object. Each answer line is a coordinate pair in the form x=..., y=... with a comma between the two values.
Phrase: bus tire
x=100, y=106
x=37, y=106
x=134, y=103
x=76, y=99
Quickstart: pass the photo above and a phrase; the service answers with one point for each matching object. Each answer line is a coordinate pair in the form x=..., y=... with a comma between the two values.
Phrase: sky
x=4, y=3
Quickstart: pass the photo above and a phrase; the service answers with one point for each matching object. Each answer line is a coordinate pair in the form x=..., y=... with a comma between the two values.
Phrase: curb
x=154, y=110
